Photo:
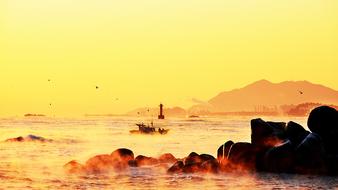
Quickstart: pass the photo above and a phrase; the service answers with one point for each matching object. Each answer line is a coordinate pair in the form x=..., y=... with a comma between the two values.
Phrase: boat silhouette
x=148, y=129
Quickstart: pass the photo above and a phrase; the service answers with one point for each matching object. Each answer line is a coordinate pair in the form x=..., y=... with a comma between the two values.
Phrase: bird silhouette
x=97, y=87
x=300, y=92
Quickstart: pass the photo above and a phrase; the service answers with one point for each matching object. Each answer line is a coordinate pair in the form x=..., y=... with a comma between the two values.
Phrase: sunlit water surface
x=36, y=165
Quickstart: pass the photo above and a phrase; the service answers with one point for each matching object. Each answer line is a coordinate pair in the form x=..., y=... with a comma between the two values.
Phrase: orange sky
x=146, y=52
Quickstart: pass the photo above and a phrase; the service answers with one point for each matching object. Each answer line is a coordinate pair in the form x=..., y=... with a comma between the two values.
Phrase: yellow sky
x=149, y=51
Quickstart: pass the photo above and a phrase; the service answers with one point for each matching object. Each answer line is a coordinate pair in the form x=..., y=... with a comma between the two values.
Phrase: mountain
x=268, y=96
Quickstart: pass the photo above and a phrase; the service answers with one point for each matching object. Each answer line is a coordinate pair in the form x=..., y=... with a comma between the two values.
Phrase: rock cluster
x=275, y=147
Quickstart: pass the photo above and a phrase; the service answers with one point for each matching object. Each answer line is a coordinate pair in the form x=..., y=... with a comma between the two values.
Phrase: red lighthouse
x=161, y=116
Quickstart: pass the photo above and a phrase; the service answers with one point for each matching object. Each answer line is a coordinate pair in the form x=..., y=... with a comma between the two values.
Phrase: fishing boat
x=149, y=129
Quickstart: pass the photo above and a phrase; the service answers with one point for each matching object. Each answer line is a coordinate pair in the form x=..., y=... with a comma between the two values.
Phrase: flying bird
x=300, y=92
x=97, y=87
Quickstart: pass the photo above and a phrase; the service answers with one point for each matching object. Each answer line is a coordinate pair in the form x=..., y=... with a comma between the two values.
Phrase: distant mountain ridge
x=264, y=93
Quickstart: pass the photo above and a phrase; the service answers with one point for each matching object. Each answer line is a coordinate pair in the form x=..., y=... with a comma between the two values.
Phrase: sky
x=143, y=52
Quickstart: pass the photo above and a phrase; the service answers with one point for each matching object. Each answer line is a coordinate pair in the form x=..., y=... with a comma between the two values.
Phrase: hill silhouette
x=267, y=96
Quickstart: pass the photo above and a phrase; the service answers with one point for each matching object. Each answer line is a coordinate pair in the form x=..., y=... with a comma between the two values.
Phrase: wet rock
x=73, y=167
x=176, y=168
x=192, y=158
x=17, y=139
x=243, y=156
x=323, y=121
x=206, y=157
x=122, y=155
x=310, y=156
x=192, y=167
x=132, y=163
x=29, y=138
x=295, y=133
x=210, y=166
x=101, y=163
x=280, y=159
x=145, y=161
x=267, y=134
x=223, y=151
x=167, y=158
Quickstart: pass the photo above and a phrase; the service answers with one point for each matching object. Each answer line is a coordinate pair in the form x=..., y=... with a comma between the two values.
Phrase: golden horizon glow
x=151, y=51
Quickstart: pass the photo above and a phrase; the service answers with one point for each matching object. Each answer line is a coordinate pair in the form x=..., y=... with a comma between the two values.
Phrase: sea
x=39, y=165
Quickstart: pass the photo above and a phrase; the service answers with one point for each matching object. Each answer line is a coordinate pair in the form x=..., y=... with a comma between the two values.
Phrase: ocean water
x=39, y=165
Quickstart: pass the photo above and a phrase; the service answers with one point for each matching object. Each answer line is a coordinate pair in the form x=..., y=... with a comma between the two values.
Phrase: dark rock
x=122, y=155
x=280, y=159
x=324, y=121
x=73, y=167
x=206, y=157
x=192, y=167
x=210, y=166
x=192, y=158
x=145, y=161
x=223, y=151
x=310, y=156
x=176, y=168
x=267, y=134
x=167, y=158
x=295, y=133
x=100, y=163
x=243, y=156
x=29, y=138
x=17, y=139
x=132, y=163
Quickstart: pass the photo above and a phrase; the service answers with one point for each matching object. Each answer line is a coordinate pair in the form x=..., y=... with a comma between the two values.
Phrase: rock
x=210, y=166
x=132, y=163
x=167, y=158
x=145, y=161
x=223, y=151
x=295, y=133
x=267, y=134
x=17, y=139
x=29, y=138
x=192, y=167
x=206, y=157
x=192, y=158
x=123, y=155
x=101, y=163
x=280, y=159
x=176, y=168
x=310, y=156
x=242, y=156
x=323, y=120
x=73, y=167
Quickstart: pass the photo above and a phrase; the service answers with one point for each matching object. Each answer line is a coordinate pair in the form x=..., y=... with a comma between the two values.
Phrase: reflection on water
x=35, y=165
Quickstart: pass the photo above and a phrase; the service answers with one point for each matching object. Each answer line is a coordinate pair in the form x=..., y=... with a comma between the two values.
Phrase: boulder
x=192, y=158
x=280, y=159
x=223, y=151
x=122, y=155
x=145, y=161
x=323, y=121
x=310, y=156
x=267, y=134
x=210, y=166
x=176, y=168
x=101, y=163
x=167, y=158
x=243, y=156
x=295, y=133
x=73, y=167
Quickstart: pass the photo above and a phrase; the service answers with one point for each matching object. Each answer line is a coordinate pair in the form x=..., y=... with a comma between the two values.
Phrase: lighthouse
x=161, y=116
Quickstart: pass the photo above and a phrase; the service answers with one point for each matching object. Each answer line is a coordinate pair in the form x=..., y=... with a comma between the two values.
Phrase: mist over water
x=39, y=165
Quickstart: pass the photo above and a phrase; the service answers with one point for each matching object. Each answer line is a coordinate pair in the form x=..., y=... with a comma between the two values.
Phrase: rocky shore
x=275, y=147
